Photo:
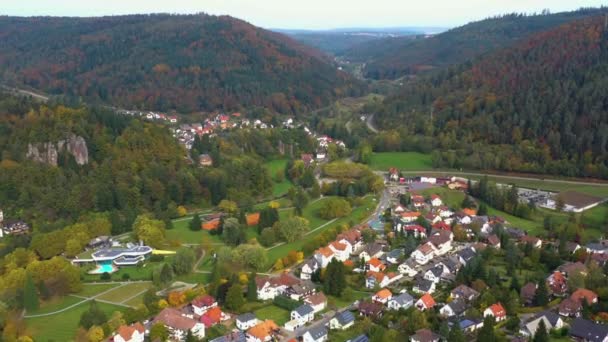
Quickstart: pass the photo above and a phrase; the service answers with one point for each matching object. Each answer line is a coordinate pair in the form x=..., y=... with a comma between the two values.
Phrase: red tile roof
x=174, y=319
x=126, y=332
x=588, y=295
x=263, y=330
x=384, y=294
x=427, y=300
x=498, y=310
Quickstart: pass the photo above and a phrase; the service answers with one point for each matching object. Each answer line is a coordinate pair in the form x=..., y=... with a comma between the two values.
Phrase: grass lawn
x=279, y=188
x=341, y=303
x=345, y=335
x=278, y=315
x=89, y=290
x=125, y=292
x=181, y=232
x=63, y=326
x=135, y=272
x=405, y=161
x=54, y=304
x=357, y=215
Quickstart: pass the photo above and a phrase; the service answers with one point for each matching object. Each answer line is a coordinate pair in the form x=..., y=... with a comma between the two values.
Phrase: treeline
x=534, y=108
x=504, y=198
x=164, y=62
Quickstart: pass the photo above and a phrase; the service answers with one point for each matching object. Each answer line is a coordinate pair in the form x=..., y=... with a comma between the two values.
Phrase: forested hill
x=162, y=62
x=540, y=106
x=396, y=57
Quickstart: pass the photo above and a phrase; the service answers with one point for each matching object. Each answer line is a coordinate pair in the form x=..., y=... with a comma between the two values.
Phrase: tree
x=195, y=223
x=183, y=262
x=95, y=334
x=93, y=316
x=560, y=202
x=335, y=278
x=456, y=334
x=486, y=333
x=252, y=288
x=163, y=274
x=159, y=332
x=234, y=297
x=150, y=231
x=300, y=201
x=229, y=207
x=541, y=334
x=541, y=298
x=232, y=233
x=293, y=228
x=30, y=294
x=335, y=207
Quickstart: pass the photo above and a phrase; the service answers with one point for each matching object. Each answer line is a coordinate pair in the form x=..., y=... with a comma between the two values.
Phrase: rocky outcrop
x=48, y=152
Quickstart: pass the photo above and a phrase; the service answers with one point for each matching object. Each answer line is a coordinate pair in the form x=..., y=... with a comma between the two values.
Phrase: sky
x=304, y=14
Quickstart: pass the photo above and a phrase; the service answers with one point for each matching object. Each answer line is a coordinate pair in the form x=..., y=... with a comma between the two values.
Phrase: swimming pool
x=104, y=267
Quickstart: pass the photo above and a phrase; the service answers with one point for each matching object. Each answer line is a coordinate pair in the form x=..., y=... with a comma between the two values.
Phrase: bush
x=335, y=207
x=286, y=303
x=105, y=276
x=126, y=276
x=157, y=258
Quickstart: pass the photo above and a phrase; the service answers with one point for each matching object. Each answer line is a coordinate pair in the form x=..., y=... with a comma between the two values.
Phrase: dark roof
x=467, y=254
x=458, y=306
x=423, y=284
x=453, y=264
x=236, y=336
x=317, y=332
x=304, y=310
x=551, y=316
x=403, y=298
x=373, y=248
x=437, y=271
x=465, y=291
x=528, y=291
x=246, y=317
x=395, y=253
x=345, y=317
x=425, y=335
x=587, y=330
x=360, y=338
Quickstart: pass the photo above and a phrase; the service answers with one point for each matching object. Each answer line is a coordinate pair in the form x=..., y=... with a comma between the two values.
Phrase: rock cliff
x=48, y=152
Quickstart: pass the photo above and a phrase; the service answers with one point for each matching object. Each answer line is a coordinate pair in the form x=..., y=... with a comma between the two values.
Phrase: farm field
x=405, y=161
x=62, y=327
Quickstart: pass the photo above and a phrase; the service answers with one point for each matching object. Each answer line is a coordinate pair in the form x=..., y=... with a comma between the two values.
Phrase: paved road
x=370, y=123
x=27, y=93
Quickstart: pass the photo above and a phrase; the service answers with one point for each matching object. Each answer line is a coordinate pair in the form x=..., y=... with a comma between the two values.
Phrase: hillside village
x=437, y=270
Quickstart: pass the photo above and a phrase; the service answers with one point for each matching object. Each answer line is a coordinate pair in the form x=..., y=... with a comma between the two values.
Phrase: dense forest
x=133, y=167
x=338, y=42
x=396, y=57
x=163, y=62
x=537, y=107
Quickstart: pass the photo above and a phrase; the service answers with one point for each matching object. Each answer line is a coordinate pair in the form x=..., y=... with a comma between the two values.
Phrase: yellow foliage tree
x=176, y=298
x=278, y=265
x=162, y=304
x=182, y=211
x=300, y=256
x=243, y=278
x=274, y=205
x=95, y=334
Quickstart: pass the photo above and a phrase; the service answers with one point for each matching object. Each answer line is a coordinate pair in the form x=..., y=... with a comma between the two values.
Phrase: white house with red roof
x=424, y=253
x=270, y=287
x=202, y=304
x=342, y=251
x=375, y=265
x=324, y=256
x=415, y=230
x=130, y=333
x=353, y=238
x=410, y=216
x=425, y=302
x=436, y=201
x=178, y=325
x=497, y=311
x=382, y=296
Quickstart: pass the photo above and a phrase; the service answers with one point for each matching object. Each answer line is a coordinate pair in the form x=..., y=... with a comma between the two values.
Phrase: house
x=408, y=268
x=234, y=336
x=402, y=301
x=393, y=174
x=342, y=251
x=213, y=316
x=493, y=241
x=398, y=209
x=571, y=268
x=423, y=286
x=360, y=338
x=587, y=295
x=317, y=301
x=370, y=309
x=342, y=320
x=527, y=293
x=98, y=242
x=375, y=265
x=418, y=201
x=179, y=325
x=464, y=292
x=352, y=237
x=246, y=321
x=270, y=287
x=130, y=333
x=372, y=250
x=557, y=283
x=424, y=253
x=374, y=279
x=425, y=302
x=466, y=255
x=436, y=201
x=425, y=335
x=303, y=314
x=451, y=265
x=321, y=154
x=551, y=321
x=263, y=332
x=531, y=240
x=15, y=228
x=434, y=274
x=307, y=159
x=205, y=160
x=409, y=217
x=203, y=303
x=382, y=296
x=394, y=256
x=454, y=308
x=470, y=325
x=497, y=311
x=585, y=330
x=572, y=247
x=309, y=267
x=318, y=334
x=442, y=240
x=415, y=230
x=570, y=308
x=301, y=290
x=324, y=256
x=441, y=225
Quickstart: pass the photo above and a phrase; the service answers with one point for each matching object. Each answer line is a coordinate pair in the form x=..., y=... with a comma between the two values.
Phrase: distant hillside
x=539, y=106
x=396, y=57
x=162, y=62
x=336, y=42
